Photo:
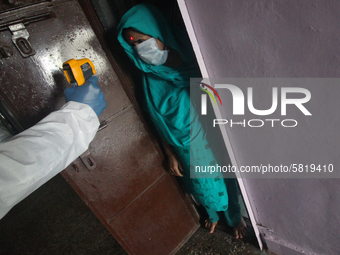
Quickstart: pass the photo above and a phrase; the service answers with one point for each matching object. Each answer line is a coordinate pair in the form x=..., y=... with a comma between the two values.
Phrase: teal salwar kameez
x=167, y=99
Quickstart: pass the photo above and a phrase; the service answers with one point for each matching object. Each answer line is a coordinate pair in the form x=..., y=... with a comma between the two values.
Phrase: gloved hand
x=89, y=93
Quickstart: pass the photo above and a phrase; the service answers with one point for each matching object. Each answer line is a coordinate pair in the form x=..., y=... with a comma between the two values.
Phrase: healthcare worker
x=34, y=156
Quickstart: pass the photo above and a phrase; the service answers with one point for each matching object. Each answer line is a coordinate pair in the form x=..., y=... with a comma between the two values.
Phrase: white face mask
x=149, y=52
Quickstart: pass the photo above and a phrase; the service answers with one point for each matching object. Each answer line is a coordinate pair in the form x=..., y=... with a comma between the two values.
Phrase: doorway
x=109, y=13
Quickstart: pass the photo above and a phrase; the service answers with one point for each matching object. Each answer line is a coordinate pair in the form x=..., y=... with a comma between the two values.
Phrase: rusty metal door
x=121, y=177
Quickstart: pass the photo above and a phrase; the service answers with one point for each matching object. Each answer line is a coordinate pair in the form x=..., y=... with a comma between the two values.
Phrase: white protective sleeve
x=31, y=158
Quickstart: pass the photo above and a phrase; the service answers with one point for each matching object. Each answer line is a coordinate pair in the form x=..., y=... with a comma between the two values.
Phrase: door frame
x=202, y=66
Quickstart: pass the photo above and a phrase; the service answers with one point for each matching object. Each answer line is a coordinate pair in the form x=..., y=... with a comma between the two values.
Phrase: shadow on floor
x=54, y=220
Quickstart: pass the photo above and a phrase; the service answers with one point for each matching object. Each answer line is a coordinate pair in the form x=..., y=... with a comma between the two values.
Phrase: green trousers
x=233, y=213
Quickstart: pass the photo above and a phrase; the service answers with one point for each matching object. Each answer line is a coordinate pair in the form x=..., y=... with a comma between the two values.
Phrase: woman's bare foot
x=240, y=230
x=210, y=225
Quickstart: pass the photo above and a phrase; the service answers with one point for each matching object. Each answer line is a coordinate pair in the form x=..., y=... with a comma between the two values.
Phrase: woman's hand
x=174, y=165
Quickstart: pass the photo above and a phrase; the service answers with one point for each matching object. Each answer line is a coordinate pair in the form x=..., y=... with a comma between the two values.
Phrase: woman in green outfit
x=163, y=52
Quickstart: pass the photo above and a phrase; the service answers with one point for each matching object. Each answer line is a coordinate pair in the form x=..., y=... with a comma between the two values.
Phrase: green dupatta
x=166, y=89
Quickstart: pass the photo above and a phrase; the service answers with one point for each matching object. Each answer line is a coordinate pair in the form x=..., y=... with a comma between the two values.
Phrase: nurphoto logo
x=239, y=105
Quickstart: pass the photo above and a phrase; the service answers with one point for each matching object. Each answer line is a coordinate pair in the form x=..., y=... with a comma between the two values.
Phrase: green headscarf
x=166, y=88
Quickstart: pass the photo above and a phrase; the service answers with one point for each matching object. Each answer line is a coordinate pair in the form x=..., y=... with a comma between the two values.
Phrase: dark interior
x=61, y=222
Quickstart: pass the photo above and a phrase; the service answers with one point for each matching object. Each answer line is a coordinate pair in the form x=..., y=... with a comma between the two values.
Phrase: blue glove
x=89, y=93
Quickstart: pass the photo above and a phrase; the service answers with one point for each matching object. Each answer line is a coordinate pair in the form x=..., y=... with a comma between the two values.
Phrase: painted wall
x=282, y=39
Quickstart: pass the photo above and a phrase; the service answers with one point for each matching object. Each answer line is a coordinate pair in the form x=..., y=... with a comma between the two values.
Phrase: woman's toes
x=210, y=225
x=240, y=230
x=212, y=228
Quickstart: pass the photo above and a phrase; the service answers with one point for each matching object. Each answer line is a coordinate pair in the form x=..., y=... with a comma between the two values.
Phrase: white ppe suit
x=33, y=157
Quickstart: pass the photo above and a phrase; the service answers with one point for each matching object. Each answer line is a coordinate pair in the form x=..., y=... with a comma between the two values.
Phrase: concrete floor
x=54, y=220
x=202, y=242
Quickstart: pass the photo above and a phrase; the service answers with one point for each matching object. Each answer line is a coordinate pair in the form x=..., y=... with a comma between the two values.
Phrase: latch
x=20, y=34
x=88, y=160
x=20, y=39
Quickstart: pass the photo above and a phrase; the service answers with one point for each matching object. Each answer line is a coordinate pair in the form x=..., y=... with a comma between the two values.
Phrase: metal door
x=121, y=177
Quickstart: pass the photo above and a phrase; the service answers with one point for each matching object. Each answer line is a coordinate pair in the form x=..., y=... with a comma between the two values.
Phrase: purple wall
x=282, y=39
